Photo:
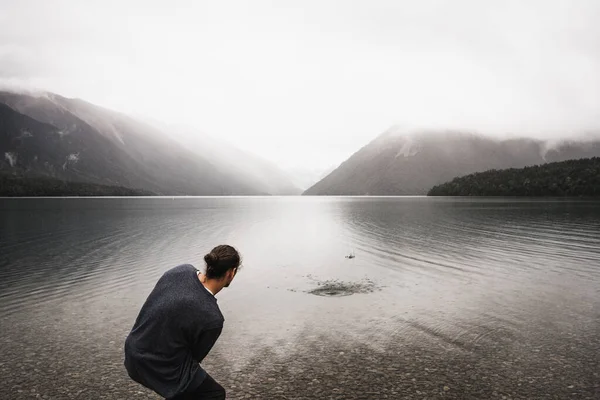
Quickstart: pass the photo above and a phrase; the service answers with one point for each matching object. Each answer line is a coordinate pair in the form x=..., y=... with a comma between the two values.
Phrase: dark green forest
x=565, y=178
x=18, y=186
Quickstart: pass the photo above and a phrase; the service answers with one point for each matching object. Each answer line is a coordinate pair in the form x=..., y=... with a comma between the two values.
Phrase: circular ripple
x=338, y=288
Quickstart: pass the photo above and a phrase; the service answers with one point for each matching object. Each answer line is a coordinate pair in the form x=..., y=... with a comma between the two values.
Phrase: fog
x=307, y=83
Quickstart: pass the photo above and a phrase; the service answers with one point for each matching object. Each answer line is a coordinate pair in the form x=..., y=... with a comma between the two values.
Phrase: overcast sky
x=309, y=82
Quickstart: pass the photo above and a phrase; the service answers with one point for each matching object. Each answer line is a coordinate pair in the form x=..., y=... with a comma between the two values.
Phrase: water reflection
x=466, y=287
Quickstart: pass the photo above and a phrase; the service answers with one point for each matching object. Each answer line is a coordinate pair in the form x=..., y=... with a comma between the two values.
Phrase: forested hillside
x=565, y=178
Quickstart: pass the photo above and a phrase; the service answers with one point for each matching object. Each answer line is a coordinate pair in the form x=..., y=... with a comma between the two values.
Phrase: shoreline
x=323, y=367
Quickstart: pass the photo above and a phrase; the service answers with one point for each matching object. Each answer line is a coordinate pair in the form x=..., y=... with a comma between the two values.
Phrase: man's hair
x=220, y=260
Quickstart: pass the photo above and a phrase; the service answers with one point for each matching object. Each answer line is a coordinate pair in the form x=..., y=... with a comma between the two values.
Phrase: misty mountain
x=70, y=139
x=400, y=162
x=253, y=170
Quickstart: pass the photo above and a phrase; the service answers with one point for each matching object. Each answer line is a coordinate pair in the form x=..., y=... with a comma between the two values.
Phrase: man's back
x=176, y=327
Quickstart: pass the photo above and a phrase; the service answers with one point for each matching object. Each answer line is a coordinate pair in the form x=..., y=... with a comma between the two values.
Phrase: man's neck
x=214, y=286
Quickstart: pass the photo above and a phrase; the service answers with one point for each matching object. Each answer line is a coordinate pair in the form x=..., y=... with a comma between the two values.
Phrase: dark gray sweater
x=175, y=329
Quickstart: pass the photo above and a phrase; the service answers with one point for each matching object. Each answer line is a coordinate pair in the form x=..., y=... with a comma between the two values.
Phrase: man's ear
x=231, y=273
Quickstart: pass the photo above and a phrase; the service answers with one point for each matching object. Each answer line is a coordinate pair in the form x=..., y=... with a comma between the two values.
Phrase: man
x=178, y=325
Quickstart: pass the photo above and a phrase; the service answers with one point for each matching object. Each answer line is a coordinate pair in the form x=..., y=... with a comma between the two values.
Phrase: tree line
x=19, y=186
x=565, y=178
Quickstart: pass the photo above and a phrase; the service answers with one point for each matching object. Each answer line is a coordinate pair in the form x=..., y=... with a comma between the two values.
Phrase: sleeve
x=204, y=342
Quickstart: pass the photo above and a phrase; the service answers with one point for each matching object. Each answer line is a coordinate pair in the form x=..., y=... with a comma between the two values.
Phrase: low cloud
x=308, y=83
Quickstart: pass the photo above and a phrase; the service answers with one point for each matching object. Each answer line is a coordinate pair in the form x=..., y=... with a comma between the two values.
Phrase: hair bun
x=220, y=260
x=211, y=259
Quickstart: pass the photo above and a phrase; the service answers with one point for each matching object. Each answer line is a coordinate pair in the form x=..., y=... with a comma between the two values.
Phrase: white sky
x=307, y=83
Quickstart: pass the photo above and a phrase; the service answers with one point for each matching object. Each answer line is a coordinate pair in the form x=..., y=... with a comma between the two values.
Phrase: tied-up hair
x=220, y=260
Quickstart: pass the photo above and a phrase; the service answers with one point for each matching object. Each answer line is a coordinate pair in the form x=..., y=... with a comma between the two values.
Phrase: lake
x=446, y=297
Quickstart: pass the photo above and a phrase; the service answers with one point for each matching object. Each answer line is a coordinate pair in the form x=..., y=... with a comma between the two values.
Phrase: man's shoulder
x=178, y=277
x=180, y=270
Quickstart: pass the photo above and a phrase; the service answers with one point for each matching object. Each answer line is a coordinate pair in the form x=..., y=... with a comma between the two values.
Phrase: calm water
x=474, y=298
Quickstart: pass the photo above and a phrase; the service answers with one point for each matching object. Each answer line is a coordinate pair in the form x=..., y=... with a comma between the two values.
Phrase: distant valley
x=49, y=136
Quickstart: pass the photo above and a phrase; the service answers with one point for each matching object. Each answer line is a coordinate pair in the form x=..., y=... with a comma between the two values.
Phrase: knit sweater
x=176, y=328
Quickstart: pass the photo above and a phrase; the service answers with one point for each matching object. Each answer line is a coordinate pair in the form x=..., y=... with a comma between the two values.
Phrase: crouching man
x=178, y=325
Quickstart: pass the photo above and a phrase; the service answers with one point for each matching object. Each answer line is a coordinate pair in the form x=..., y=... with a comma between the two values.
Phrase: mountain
x=70, y=139
x=400, y=162
x=33, y=148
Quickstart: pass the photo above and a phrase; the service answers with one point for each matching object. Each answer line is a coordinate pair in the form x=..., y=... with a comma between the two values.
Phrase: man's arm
x=204, y=342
